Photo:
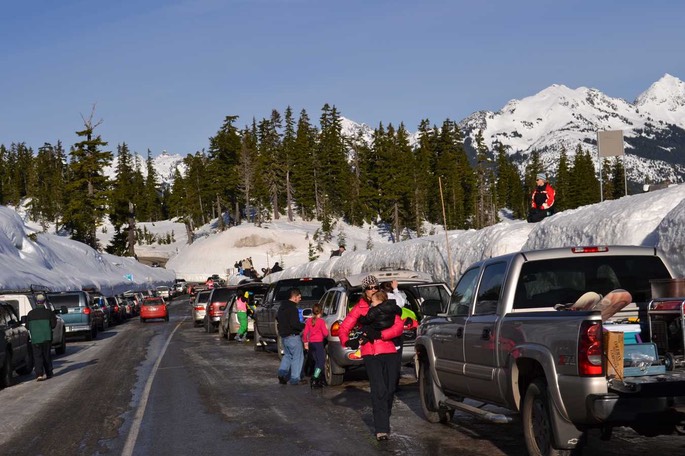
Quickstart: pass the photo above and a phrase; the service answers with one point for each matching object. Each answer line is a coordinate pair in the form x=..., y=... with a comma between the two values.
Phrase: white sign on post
x=610, y=143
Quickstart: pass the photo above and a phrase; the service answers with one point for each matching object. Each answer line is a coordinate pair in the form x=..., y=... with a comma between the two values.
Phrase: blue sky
x=163, y=74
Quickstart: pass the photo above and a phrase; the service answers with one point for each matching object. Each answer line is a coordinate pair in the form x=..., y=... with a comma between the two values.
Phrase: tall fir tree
x=153, y=206
x=584, y=182
x=87, y=189
x=305, y=167
x=562, y=185
x=224, y=153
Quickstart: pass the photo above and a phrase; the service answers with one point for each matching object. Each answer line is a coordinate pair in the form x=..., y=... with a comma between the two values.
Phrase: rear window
x=223, y=294
x=65, y=300
x=548, y=282
x=153, y=302
x=312, y=289
x=202, y=297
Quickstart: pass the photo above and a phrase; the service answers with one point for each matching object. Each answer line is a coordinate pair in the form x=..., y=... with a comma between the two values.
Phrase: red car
x=153, y=307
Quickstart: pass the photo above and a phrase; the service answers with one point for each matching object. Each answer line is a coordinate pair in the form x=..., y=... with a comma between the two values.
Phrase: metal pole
x=625, y=177
x=599, y=163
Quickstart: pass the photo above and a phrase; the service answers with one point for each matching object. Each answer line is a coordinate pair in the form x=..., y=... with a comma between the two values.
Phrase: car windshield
x=153, y=302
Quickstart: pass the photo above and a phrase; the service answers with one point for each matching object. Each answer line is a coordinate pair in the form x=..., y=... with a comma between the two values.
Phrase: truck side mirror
x=431, y=307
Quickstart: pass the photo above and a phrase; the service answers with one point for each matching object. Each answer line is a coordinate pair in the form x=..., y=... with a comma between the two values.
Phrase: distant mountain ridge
x=558, y=116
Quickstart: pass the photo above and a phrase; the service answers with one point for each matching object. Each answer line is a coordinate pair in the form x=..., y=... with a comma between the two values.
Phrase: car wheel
x=537, y=423
x=329, y=371
x=429, y=404
x=6, y=373
x=142, y=320
x=166, y=318
x=28, y=362
x=62, y=348
x=91, y=334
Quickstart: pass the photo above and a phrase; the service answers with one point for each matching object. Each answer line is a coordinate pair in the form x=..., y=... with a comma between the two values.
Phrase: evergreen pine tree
x=87, y=188
x=562, y=189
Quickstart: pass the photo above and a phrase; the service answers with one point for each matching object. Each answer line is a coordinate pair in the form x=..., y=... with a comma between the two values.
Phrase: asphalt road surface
x=171, y=389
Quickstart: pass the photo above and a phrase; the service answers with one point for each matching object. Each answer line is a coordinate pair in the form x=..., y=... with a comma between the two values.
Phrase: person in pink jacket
x=379, y=355
x=313, y=335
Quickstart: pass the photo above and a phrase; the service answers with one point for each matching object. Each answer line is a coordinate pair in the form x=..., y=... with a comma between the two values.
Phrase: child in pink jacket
x=313, y=335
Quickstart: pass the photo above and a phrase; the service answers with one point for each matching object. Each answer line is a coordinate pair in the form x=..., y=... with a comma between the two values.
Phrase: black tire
x=27, y=367
x=62, y=348
x=166, y=318
x=90, y=335
x=6, y=371
x=537, y=422
x=331, y=377
x=142, y=320
x=431, y=409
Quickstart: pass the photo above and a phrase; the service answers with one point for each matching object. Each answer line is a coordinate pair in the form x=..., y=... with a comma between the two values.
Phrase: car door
x=480, y=339
x=448, y=337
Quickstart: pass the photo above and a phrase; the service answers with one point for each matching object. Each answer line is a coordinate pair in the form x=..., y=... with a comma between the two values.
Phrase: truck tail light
x=590, y=349
x=590, y=249
x=86, y=310
x=335, y=329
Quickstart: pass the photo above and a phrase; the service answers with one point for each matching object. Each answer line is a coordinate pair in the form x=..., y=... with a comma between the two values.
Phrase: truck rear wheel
x=6, y=371
x=432, y=410
x=330, y=372
x=537, y=422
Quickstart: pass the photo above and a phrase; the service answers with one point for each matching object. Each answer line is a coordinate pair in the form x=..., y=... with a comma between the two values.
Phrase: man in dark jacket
x=289, y=329
x=40, y=322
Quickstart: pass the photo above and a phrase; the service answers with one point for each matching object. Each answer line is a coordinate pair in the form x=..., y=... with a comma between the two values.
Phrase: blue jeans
x=293, y=358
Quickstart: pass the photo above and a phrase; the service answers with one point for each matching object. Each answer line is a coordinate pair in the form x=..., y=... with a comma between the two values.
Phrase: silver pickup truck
x=508, y=339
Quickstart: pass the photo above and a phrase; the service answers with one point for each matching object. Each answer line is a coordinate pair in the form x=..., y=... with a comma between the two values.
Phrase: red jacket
x=542, y=199
x=315, y=332
x=380, y=346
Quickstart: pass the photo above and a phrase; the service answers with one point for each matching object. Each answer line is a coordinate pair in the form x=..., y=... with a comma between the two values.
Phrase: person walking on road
x=379, y=355
x=289, y=329
x=40, y=322
x=241, y=313
x=315, y=332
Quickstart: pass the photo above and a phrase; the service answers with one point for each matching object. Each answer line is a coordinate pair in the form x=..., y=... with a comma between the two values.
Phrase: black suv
x=15, y=346
x=265, y=326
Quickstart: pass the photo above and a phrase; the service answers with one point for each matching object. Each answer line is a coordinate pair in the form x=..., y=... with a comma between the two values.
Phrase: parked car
x=23, y=302
x=229, y=324
x=198, y=307
x=80, y=319
x=164, y=292
x=100, y=304
x=216, y=304
x=265, y=325
x=15, y=346
x=180, y=287
x=419, y=288
x=153, y=308
x=127, y=305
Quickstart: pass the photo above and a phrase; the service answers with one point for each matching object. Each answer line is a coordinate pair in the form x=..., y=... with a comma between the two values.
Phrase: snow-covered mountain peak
x=665, y=100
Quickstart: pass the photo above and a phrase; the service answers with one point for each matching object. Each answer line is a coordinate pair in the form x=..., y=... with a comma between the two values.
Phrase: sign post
x=610, y=144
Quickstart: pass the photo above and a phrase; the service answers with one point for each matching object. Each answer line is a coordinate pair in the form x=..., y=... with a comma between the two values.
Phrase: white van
x=24, y=302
